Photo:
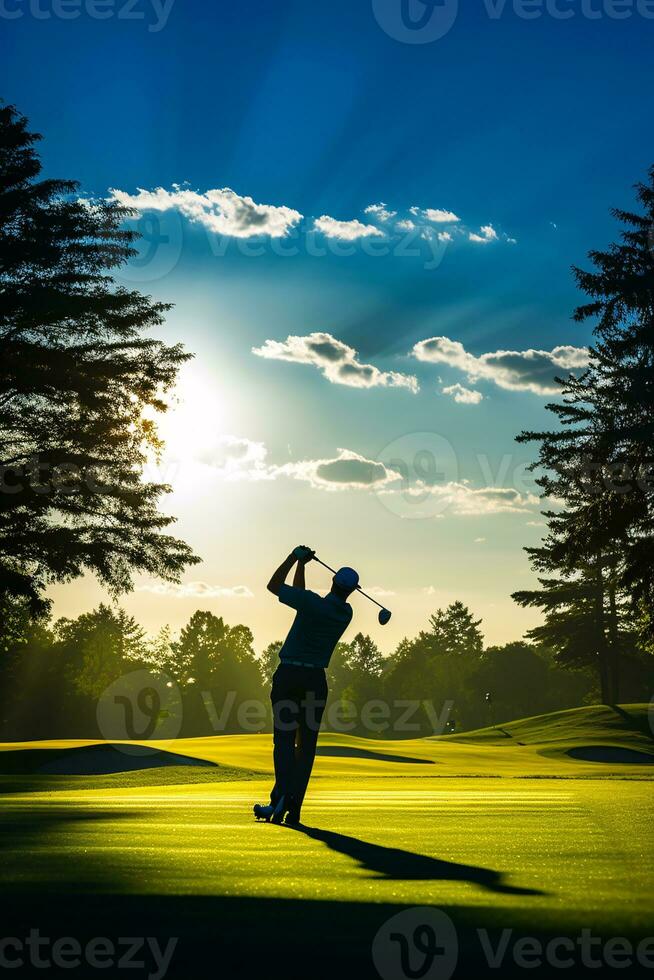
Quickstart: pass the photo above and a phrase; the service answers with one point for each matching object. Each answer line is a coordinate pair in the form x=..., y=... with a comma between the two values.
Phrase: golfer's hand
x=303, y=554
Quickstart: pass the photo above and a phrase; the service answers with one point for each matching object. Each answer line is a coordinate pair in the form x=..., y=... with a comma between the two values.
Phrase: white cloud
x=337, y=361
x=479, y=540
x=437, y=215
x=352, y=471
x=486, y=234
x=462, y=395
x=221, y=210
x=235, y=458
x=346, y=231
x=528, y=370
x=348, y=470
x=380, y=211
x=462, y=500
x=196, y=590
x=379, y=592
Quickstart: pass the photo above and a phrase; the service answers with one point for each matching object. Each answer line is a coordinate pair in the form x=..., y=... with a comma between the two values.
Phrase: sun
x=194, y=421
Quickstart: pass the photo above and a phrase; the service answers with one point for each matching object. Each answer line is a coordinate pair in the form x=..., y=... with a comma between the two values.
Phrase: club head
x=384, y=616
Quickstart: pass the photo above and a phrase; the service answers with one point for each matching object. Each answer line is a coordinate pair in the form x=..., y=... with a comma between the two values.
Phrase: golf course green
x=543, y=827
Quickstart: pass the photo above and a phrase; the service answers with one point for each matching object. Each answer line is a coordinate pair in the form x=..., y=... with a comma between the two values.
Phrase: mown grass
x=176, y=848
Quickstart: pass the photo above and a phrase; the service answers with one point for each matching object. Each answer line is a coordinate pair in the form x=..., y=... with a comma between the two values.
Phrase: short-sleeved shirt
x=318, y=626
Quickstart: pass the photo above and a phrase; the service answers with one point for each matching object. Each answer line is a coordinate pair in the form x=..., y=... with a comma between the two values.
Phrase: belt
x=301, y=663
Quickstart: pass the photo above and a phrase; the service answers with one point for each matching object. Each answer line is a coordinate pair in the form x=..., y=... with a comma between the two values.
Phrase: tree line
x=53, y=676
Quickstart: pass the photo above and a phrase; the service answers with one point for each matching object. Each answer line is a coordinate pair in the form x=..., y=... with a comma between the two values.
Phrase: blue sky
x=525, y=130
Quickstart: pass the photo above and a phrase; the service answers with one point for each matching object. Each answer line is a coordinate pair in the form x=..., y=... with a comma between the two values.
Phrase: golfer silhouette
x=299, y=687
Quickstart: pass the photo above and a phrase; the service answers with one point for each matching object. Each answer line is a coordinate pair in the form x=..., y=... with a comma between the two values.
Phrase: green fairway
x=498, y=833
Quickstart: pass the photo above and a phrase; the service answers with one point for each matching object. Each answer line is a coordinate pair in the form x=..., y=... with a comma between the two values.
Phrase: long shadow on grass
x=59, y=845
x=275, y=939
x=394, y=864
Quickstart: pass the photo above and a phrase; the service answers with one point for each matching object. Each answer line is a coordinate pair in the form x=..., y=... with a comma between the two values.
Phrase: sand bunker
x=92, y=760
x=352, y=752
x=610, y=753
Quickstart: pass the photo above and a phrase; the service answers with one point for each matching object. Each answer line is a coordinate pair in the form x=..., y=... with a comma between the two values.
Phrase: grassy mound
x=593, y=742
x=596, y=722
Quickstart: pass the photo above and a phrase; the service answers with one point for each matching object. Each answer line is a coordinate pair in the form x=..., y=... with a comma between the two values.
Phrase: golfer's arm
x=279, y=577
x=298, y=578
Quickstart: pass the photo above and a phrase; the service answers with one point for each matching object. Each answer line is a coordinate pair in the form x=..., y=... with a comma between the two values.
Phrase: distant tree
x=363, y=659
x=28, y=681
x=436, y=666
x=215, y=662
x=269, y=660
x=522, y=682
x=200, y=648
x=339, y=672
x=97, y=647
x=455, y=631
x=158, y=651
x=79, y=385
x=360, y=667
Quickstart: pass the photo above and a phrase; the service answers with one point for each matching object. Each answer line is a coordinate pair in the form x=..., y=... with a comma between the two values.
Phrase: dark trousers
x=298, y=696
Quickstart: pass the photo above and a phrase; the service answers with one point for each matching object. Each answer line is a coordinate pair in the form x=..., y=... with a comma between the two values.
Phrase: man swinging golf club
x=299, y=687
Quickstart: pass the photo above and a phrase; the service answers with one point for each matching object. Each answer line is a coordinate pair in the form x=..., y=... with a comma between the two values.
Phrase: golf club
x=384, y=614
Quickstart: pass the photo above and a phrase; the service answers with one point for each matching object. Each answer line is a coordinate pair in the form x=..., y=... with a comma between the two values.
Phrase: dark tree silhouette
x=77, y=383
x=581, y=627
x=600, y=461
x=97, y=647
x=455, y=631
x=215, y=662
x=269, y=660
x=438, y=663
x=619, y=392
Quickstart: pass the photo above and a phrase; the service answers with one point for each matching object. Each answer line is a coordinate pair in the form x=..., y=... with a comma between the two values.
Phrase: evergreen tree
x=454, y=631
x=620, y=390
x=215, y=662
x=362, y=664
x=98, y=647
x=574, y=604
x=79, y=383
x=437, y=665
x=269, y=660
x=600, y=463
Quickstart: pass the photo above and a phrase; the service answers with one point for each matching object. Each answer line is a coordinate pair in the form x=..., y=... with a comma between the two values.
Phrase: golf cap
x=346, y=578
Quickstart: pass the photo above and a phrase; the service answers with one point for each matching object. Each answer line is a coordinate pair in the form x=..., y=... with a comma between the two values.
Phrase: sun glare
x=195, y=419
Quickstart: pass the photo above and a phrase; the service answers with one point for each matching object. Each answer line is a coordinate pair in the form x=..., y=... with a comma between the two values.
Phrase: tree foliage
x=599, y=463
x=80, y=382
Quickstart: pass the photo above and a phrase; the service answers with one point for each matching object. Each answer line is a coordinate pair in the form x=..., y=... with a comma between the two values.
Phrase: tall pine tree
x=78, y=379
x=600, y=462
